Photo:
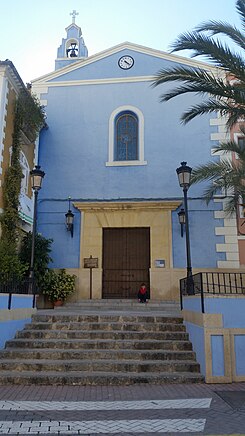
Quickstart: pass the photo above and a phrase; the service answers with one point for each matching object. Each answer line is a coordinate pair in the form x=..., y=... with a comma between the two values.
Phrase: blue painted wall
x=74, y=152
x=9, y=328
x=232, y=310
x=201, y=222
x=196, y=335
x=217, y=350
x=239, y=344
x=51, y=223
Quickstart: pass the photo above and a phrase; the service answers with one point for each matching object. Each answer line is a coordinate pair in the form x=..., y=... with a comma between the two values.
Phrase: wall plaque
x=159, y=263
x=91, y=262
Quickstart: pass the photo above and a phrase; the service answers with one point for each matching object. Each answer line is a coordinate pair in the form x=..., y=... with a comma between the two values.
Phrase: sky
x=32, y=30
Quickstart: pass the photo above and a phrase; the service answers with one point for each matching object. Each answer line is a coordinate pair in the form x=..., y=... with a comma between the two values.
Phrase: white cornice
x=126, y=205
x=117, y=49
x=41, y=88
x=7, y=71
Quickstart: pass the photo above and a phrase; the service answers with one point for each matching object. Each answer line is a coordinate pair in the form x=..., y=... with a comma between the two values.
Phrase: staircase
x=102, y=342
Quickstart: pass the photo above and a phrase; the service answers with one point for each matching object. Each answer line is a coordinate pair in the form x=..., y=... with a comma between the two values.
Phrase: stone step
x=128, y=301
x=99, y=365
x=96, y=378
x=56, y=316
x=121, y=304
x=108, y=326
x=139, y=309
x=57, y=354
x=101, y=344
x=76, y=344
x=100, y=334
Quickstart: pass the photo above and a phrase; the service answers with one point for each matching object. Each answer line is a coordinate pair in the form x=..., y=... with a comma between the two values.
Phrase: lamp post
x=184, y=176
x=37, y=176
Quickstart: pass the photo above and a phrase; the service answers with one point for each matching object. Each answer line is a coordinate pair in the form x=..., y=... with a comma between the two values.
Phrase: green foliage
x=218, y=94
x=31, y=114
x=10, y=264
x=222, y=96
x=28, y=117
x=225, y=176
x=11, y=188
x=58, y=285
x=42, y=254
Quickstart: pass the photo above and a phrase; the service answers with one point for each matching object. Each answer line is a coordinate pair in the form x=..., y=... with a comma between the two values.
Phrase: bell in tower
x=72, y=47
x=72, y=51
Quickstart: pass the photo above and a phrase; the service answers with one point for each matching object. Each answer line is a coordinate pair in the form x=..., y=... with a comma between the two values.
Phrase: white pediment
x=81, y=63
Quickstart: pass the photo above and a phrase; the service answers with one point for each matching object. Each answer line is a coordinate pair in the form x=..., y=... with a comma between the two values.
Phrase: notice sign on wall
x=159, y=263
x=90, y=262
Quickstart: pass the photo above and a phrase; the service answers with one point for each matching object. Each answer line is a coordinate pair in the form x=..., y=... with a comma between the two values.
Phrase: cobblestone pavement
x=123, y=410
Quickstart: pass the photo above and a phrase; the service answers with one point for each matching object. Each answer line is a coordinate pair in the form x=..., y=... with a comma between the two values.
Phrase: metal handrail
x=212, y=282
x=14, y=285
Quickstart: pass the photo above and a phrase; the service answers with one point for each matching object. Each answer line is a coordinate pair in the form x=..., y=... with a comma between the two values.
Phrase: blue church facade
x=113, y=148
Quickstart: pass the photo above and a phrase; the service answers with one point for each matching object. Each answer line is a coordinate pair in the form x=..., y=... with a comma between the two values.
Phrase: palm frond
x=213, y=105
x=214, y=50
x=199, y=82
x=232, y=147
x=210, y=171
x=211, y=191
x=240, y=7
x=226, y=177
x=219, y=27
x=237, y=114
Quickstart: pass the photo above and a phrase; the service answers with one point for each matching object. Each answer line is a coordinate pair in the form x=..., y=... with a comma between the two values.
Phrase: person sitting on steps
x=143, y=294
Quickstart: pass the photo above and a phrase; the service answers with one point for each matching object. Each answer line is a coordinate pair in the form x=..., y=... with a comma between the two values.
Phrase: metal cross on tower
x=73, y=14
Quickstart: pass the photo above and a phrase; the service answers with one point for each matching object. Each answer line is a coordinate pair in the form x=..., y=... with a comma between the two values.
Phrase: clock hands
x=126, y=62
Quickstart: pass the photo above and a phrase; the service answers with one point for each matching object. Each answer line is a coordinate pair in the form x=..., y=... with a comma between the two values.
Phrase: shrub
x=58, y=285
x=10, y=264
x=42, y=254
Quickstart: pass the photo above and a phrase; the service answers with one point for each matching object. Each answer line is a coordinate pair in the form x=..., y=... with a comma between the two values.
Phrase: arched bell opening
x=72, y=48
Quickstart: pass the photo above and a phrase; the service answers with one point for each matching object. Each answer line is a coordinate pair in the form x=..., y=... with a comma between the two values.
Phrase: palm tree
x=223, y=96
x=224, y=175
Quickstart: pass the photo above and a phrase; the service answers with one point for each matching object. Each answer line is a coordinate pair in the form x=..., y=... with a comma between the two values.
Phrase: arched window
x=126, y=136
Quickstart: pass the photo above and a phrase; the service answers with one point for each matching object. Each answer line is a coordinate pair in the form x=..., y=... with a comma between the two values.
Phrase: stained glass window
x=126, y=140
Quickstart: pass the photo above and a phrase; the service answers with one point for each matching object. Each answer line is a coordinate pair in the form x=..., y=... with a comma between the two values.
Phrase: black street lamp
x=37, y=176
x=184, y=176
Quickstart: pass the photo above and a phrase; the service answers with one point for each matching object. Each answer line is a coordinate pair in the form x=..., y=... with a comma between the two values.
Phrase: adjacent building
x=11, y=86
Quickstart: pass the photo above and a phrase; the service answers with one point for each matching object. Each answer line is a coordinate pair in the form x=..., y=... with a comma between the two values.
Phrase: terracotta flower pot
x=58, y=303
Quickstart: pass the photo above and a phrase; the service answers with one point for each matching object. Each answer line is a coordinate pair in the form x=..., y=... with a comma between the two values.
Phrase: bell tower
x=72, y=48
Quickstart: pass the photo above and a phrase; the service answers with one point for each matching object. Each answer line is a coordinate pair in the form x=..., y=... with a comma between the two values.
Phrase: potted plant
x=58, y=285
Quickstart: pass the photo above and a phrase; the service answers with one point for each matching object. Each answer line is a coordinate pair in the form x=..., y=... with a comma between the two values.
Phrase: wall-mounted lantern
x=69, y=219
x=181, y=215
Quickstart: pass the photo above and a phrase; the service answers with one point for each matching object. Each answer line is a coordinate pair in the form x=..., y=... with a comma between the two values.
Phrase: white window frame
x=25, y=171
x=113, y=163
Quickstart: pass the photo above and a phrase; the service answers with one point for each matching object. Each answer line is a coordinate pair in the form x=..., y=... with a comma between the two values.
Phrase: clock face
x=126, y=62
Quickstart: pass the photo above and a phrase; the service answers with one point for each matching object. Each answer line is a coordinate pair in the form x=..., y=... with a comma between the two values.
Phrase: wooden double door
x=126, y=261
